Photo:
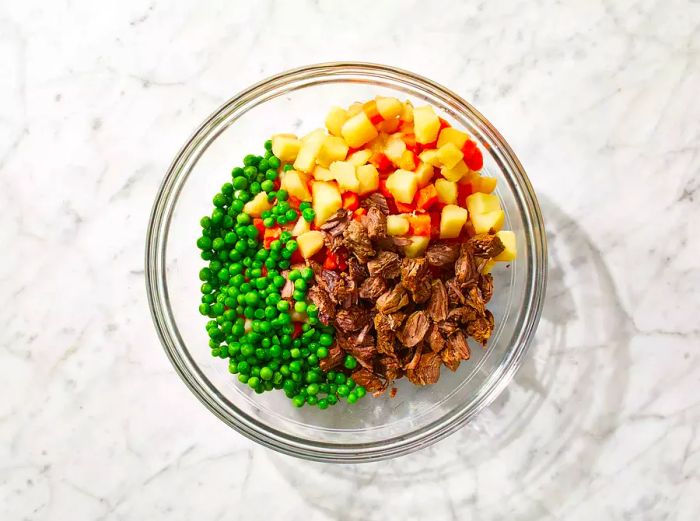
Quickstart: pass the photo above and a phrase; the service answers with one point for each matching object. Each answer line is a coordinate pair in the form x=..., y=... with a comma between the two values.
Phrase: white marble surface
x=600, y=101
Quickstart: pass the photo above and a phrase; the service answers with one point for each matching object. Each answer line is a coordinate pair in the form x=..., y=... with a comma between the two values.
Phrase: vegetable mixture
x=354, y=256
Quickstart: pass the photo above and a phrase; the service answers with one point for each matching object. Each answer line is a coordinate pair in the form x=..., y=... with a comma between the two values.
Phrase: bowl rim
x=161, y=313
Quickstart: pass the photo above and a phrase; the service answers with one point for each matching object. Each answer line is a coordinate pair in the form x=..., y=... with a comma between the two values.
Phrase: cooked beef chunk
x=486, y=286
x=388, y=367
x=376, y=224
x=353, y=319
x=475, y=301
x=386, y=263
x=364, y=351
x=333, y=242
x=370, y=381
x=485, y=245
x=413, y=272
x=372, y=288
x=465, y=267
x=376, y=200
x=336, y=224
x=340, y=287
x=458, y=343
x=412, y=357
x=357, y=271
x=335, y=357
x=422, y=292
x=427, y=371
x=392, y=300
x=326, y=309
x=435, y=339
x=395, y=320
x=437, y=307
x=357, y=241
x=481, y=328
x=395, y=244
x=415, y=328
x=442, y=254
x=385, y=334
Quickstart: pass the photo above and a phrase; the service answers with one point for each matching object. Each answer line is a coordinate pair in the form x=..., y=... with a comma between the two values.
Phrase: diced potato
x=479, y=203
x=256, y=206
x=344, y=173
x=449, y=155
x=335, y=119
x=424, y=173
x=355, y=108
x=285, y=147
x=295, y=183
x=332, y=149
x=389, y=125
x=358, y=130
x=310, y=243
x=368, y=177
x=322, y=174
x=484, y=184
x=485, y=222
x=407, y=113
x=417, y=247
x=403, y=185
x=452, y=221
x=426, y=124
x=447, y=191
x=326, y=200
x=359, y=158
x=452, y=135
x=388, y=107
x=301, y=226
x=455, y=173
x=394, y=149
x=488, y=266
x=430, y=157
x=407, y=161
x=508, y=239
x=397, y=224
x=310, y=147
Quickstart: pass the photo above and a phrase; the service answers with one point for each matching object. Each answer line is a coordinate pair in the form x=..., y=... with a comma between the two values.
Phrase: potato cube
x=455, y=173
x=332, y=149
x=368, y=177
x=359, y=158
x=295, y=183
x=310, y=243
x=485, y=222
x=449, y=155
x=355, y=108
x=452, y=135
x=479, y=203
x=315, y=136
x=394, y=149
x=508, y=239
x=407, y=113
x=388, y=107
x=403, y=185
x=447, y=191
x=310, y=148
x=397, y=224
x=301, y=226
x=424, y=173
x=285, y=147
x=407, y=161
x=326, y=200
x=322, y=174
x=256, y=206
x=426, y=124
x=488, y=266
x=484, y=184
x=344, y=173
x=389, y=126
x=417, y=247
x=358, y=130
x=335, y=119
x=430, y=157
x=452, y=221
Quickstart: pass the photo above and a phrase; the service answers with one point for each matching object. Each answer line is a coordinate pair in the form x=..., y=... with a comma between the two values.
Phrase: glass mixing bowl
x=373, y=428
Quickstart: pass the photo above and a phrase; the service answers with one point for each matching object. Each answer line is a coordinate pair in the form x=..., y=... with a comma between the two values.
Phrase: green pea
x=282, y=195
x=287, y=168
x=343, y=390
x=266, y=373
x=274, y=162
x=308, y=214
x=204, y=243
x=298, y=401
x=350, y=362
x=240, y=183
x=300, y=306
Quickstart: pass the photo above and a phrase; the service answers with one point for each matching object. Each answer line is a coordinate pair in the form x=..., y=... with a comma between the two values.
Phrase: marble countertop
x=599, y=100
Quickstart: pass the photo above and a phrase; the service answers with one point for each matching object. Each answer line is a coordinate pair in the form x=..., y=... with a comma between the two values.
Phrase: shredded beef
x=427, y=371
x=376, y=200
x=372, y=288
x=413, y=273
x=485, y=245
x=486, y=286
x=335, y=357
x=388, y=367
x=435, y=339
x=412, y=357
x=481, y=328
x=362, y=347
x=442, y=254
x=465, y=267
x=415, y=328
x=326, y=309
x=437, y=307
x=387, y=264
x=353, y=319
x=385, y=333
x=337, y=223
x=370, y=381
x=357, y=241
x=357, y=271
x=392, y=300
x=376, y=223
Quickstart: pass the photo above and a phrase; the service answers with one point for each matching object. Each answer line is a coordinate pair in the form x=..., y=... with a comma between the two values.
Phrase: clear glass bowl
x=373, y=428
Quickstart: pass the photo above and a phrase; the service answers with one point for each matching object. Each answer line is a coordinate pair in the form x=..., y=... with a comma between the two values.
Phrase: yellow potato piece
x=485, y=222
x=344, y=173
x=256, y=206
x=449, y=155
x=424, y=173
x=397, y=224
x=360, y=157
x=335, y=119
x=332, y=149
x=508, y=239
x=452, y=135
x=368, y=177
x=478, y=203
x=388, y=107
x=447, y=191
x=403, y=185
x=310, y=243
x=285, y=147
x=455, y=173
x=358, y=130
x=417, y=247
x=426, y=124
x=326, y=200
x=452, y=221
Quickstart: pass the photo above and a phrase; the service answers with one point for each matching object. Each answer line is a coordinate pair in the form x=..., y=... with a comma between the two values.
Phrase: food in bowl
x=353, y=256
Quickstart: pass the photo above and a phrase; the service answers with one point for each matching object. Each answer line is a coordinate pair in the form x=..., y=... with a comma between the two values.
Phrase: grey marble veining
x=599, y=100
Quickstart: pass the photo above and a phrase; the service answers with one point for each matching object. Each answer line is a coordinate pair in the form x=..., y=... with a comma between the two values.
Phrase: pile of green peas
x=250, y=323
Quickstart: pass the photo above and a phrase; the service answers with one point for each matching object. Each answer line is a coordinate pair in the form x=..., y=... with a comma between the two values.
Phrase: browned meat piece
x=442, y=254
x=360, y=345
x=486, y=286
x=485, y=245
x=454, y=292
x=392, y=300
x=386, y=263
x=456, y=319
x=435, y=339
x=413, y=272
x=357, y=271
x=481, y=328
x=437, y=307
x=346, y=292
x=411, y=358
x=315, y=266
x=465, y=267
x=337, y=223
x=395, y=320
x=353, y=319
x=327, y=280
x=475, y=301
x=287, y=290
x=357, y=241
x=388, y=367
x=333, y=242
x=370, y=381
x=422, y=291
x=427, y=371
x=458, y=344
x=326, y=309
x=335, y=357
x=385, y=334
x=395, y=244
x=372, y=288
x=376, y=223
x=376, y=200
x=415, y=328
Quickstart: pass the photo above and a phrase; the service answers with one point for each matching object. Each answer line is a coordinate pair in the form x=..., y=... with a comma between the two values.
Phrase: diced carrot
x=294, y=202
x=404, y=208
x=271, y=234
x=419, y=225
x=351, y=201
x=426, y=197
